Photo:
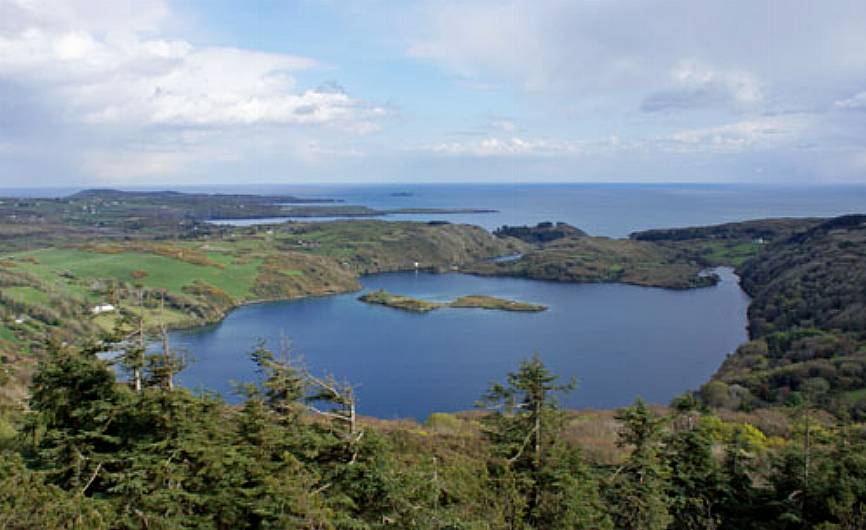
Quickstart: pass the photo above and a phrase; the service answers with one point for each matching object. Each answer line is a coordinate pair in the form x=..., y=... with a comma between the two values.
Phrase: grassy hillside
x=189, y=282
x=376, y=246
x=731, y=244
x=600, y=259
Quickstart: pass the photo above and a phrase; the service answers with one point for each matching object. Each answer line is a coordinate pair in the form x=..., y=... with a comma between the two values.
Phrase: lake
x=619, y=341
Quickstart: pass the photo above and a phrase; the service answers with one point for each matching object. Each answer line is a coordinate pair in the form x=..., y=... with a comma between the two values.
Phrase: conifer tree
x=72, y=425
x=284, y=385
x=637, y=492
x=544, y=483
x=696, y=480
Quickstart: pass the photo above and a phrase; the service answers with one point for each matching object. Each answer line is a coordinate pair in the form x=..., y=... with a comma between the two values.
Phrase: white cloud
x=744, y=136
x=749, y=135
x=96, y=93
x=696, y=85
x=739, y=51
x=742, y=86
x=119, y=75
x=108, y=90
x=857, y=101
x=513, y=146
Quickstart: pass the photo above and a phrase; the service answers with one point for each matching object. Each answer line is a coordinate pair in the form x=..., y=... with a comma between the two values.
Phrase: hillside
x=814, y=278
x=112, y=214
x=585, y=259
x=201, y=279
x=807, y=321
x=730, y=244
x=540, y=233
x=51, y=291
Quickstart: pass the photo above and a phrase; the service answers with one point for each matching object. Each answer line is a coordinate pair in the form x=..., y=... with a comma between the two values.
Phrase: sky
x=199, y=92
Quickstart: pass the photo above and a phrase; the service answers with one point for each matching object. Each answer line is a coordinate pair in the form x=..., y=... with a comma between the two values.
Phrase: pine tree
x=637, y=492
x=284, y=385
x=696, y=480
x=72, y=425
x=545, y=483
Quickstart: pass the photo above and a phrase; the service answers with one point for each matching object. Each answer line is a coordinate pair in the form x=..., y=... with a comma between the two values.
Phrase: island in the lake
x=476, y=301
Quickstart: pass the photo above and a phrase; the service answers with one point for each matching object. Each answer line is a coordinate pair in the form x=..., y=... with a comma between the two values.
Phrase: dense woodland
x=807, y=318
x=775, y=440
x=94, y=453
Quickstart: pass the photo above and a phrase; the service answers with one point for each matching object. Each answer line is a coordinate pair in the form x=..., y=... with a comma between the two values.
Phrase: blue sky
x=159, y=92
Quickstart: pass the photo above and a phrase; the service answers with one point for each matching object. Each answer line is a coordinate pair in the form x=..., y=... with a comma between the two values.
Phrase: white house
x=102, y=308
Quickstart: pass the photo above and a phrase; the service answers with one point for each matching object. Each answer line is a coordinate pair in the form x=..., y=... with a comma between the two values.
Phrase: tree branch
x=92, y=478
x=522, y=446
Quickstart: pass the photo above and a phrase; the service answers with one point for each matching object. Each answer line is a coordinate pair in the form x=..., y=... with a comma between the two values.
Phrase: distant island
x=477, y=301
x=402, y=194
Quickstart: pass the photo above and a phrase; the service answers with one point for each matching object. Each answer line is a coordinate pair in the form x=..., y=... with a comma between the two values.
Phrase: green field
x=61, y=267
x=190, y=282
x=6, y=334
x=26, y=294
x=733, y=255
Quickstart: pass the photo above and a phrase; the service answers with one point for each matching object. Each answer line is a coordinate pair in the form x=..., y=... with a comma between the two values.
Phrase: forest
x=92, y=452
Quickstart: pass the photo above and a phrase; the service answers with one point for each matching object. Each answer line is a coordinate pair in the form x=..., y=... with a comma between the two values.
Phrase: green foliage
x=811, y=280
x=27, y=502
x=543, y=483
x=95, y=453
x=638, y=490
x=696, y=481
x=586, y=259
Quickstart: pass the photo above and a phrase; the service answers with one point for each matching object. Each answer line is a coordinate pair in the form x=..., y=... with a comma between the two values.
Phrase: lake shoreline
x=361, y=277
x=323, y=326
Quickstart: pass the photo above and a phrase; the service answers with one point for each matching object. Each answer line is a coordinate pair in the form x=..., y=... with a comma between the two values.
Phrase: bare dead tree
x=289, y=383
x=341, y=396
x=137, y=368
x=168, y=362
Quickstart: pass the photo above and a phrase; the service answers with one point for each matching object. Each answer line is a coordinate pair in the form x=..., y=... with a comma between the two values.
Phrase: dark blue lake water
x=619, y=341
